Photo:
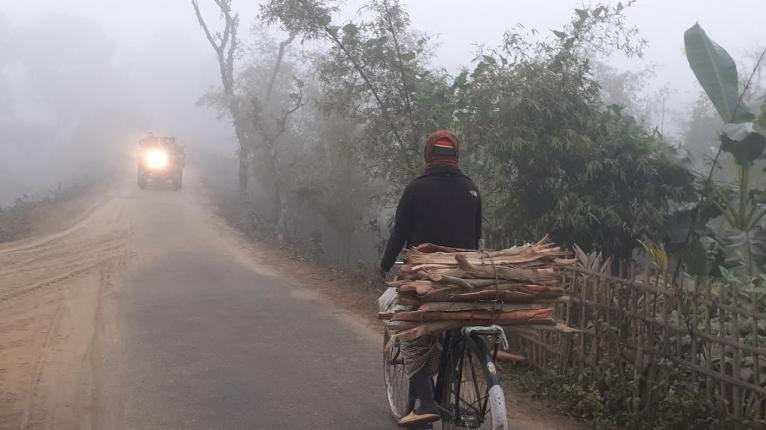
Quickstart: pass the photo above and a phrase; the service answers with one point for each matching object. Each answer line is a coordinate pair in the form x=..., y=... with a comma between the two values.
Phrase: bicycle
x=467, y=390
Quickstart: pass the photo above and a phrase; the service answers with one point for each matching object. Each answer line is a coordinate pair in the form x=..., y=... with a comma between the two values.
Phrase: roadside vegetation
x=559, y=143
x=17, y=220
x=328, y=138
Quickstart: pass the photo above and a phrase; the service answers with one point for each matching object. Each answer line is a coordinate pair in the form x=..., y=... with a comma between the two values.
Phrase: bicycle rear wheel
x=400, y=400
x=476, y=400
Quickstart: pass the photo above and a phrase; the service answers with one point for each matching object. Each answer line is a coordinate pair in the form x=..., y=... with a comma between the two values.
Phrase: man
x=442, y=207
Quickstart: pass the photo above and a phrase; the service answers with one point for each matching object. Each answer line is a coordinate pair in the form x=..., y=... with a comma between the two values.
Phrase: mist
x=76, y=100
x=81, y=80
x=198, y=196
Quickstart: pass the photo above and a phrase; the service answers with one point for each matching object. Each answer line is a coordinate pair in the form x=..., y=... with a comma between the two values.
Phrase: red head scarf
x=442, y=150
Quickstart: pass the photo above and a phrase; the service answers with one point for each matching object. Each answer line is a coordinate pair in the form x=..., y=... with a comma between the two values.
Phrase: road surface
x=148, y=312
x=169, y=324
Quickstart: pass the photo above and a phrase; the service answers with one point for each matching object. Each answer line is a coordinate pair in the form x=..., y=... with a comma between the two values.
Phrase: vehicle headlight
x=156, y=159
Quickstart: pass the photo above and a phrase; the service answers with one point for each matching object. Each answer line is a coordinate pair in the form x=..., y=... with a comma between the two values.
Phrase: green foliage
x=551, y=158
x=549, y=155
x=761, y=120
x=602, y=395
x=744, y=235
x=682, y=408
x=716, y=72
x=744, y=139
x=379, y=70
x=600, y=29
x=309, y=18
x=376, y=75
x=16, y=220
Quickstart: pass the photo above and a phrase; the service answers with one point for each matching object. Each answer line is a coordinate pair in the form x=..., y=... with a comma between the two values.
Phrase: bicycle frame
x=454, y=344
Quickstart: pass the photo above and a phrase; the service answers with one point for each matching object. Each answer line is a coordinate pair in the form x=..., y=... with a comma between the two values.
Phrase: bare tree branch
x=202, y=24
x=282, y=121
x=280, y=55
x=363, y=74
x=225, y=46
x=400, y=65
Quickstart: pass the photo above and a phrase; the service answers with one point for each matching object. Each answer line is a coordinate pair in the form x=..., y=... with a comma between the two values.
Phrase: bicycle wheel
x=476, y=400
x=400, y=401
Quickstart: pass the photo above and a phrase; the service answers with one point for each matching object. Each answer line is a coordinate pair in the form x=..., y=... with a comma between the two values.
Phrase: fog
x=145, y=284
x=77, y=94
x=80, y=80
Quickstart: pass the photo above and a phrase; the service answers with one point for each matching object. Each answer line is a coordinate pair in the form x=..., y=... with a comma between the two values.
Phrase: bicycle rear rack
x=493, y=330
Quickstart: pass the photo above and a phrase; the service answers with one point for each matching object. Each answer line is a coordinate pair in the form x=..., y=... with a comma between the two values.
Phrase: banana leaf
x=745, y=141
x=717, y=73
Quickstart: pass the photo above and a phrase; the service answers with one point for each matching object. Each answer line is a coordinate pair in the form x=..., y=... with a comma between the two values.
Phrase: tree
x=377, y=72
x=269, y=119
x=225, y=45
x=550, y=155
x=743, y=136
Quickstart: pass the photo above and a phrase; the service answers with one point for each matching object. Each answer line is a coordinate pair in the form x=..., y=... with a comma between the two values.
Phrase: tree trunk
x=224, y=44
x=244, y=154
x=282, y=220
x=243, y=173
x=280, y=204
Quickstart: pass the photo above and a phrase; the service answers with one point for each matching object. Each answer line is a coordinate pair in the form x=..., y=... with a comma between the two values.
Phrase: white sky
x=460, y=25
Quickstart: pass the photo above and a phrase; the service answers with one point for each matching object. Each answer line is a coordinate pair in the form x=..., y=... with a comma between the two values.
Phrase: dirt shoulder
x=51, y=284
x=357, y=303
x=48, y=216
x=57, y=216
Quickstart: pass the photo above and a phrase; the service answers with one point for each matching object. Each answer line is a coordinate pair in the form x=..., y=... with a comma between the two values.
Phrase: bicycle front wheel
x=476, y=399
x=400, y=400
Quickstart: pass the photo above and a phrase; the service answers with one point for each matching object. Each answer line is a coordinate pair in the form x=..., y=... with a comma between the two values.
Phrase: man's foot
x=417, y=418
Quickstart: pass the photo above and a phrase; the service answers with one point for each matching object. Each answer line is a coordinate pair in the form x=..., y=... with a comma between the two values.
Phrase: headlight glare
x=156, y=159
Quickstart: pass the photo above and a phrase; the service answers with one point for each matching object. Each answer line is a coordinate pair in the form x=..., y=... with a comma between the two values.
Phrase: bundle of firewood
x=442, y=288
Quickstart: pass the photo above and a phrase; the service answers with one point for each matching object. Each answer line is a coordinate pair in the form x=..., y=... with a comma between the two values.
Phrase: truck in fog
x=161, y=161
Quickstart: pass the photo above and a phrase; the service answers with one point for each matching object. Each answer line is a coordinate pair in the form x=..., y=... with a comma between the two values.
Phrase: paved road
x=146, y=312
x=199, y=339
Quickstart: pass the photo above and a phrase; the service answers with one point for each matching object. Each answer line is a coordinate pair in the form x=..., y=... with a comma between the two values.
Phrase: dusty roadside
x=357, y=305
x=40, y=217
x=51, y=284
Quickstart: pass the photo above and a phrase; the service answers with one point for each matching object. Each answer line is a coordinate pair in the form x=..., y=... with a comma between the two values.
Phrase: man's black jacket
x=442, y=207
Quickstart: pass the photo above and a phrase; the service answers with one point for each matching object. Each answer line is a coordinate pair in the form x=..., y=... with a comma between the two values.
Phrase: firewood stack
x=442, y=288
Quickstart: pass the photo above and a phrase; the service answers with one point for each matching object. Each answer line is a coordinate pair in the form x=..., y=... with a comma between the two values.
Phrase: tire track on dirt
x=38, y=367
x=50, y=289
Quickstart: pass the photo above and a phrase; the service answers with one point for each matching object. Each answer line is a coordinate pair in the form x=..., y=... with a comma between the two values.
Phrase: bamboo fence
x=714, y=337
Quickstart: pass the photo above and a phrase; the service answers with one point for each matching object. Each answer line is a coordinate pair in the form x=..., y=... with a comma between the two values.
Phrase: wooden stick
x=456, y=306
x=441, y=279
x=508, y=273
x=533, y=329
x=452, y=296
x=425, y=329
x=510, y=358
x=521, y=314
